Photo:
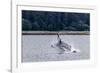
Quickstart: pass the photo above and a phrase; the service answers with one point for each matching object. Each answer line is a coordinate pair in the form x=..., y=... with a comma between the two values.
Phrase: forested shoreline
x=55, y=21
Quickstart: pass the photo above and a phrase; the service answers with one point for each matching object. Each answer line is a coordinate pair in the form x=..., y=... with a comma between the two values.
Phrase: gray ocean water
x=37, y=48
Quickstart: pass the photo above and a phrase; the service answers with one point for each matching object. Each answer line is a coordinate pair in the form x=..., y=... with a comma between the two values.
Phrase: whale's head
x=74, y=50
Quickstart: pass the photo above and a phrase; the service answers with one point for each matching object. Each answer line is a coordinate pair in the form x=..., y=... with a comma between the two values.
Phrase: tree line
x=55, y=21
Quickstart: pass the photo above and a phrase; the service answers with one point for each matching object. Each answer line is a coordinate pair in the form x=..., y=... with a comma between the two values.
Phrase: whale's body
x=66, y=48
